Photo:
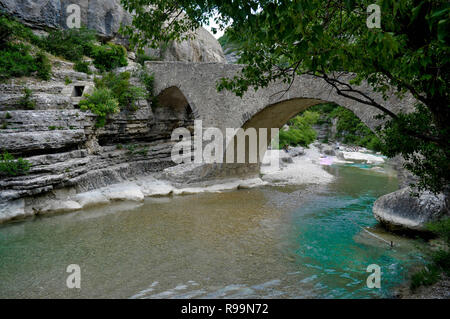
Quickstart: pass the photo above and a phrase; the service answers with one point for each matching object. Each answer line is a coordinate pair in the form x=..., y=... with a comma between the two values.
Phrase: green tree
x=12, y=29
x=284, y=38
x=300, y=130
x=351, y=130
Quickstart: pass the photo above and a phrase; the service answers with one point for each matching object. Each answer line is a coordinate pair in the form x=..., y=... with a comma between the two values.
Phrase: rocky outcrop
x=400, y=210
x=106, y=17
x=203, y=47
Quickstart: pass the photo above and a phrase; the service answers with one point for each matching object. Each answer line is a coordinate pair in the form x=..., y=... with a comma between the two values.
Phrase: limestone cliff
x=106, y=17
x=67, y=152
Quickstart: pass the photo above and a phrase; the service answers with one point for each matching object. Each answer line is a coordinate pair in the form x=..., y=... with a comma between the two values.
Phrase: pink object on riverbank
x=326, y=161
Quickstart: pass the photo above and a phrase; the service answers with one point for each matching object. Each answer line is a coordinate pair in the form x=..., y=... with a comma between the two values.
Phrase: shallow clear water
x=276, y=242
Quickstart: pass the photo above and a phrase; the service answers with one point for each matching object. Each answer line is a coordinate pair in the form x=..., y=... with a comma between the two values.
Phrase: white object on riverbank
x=363, y=157
x=304, y=169
x=224, y=186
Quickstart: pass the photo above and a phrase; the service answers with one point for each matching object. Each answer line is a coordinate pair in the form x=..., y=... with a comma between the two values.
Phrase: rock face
x=106, y=17
x=401, y=210
x=202, y=48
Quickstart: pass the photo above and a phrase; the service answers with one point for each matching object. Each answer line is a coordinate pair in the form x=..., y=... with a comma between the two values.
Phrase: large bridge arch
x=198, y=83
x=264, y=108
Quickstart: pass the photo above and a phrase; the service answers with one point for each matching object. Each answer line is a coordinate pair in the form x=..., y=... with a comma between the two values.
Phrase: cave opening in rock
x=78, y=91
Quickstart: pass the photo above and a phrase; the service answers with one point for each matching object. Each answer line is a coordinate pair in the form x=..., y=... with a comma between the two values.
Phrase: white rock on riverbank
x=122, y=192
x=363, y=157
x=91, y=198
x=59, y=206
x=12, y=209
x=135, y=191
x=151, y=186
x=304, y=169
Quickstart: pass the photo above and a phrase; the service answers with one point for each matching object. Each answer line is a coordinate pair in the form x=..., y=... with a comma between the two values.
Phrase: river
x=267, y=242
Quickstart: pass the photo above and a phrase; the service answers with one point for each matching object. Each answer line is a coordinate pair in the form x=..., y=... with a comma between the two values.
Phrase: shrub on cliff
x=44, y=67
x=149, y=82
x=16, y=61
x=25, y=101
x=126, y=94
x=71, y=44
x=82, y=66
x=109, y=56
x=74, y=44
x=16, y=57
x=102, y=103
x=9, y=166
x=11, y=29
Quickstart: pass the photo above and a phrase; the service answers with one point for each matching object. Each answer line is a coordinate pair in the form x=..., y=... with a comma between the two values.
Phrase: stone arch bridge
x=182, y=85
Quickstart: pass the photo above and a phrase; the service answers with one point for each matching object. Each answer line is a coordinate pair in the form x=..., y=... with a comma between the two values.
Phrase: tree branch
x=369, y=101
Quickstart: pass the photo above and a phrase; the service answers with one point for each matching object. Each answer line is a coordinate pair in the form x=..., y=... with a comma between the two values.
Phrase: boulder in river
x=401, y=210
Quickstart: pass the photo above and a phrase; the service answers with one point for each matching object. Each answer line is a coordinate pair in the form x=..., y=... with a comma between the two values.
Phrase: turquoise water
x=269, y=242
x=331, y=250
x=324, y=234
